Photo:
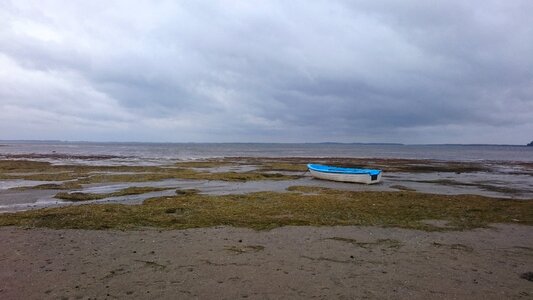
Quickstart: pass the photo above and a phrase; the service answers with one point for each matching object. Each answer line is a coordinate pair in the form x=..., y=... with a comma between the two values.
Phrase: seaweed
x=267, y=210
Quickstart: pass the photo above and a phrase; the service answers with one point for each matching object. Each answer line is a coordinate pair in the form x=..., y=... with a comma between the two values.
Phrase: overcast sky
x=267, y=71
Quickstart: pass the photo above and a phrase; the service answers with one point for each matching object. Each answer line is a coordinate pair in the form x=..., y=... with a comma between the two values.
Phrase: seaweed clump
x=302, y=206
x=79, y=196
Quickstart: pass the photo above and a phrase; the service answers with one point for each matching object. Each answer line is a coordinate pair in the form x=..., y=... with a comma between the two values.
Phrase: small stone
x=527, y=276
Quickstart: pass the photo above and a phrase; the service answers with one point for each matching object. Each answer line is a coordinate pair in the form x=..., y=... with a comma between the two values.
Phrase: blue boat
x=368, y=176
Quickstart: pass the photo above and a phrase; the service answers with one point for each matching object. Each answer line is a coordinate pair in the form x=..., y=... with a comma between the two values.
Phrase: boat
x=368, y=176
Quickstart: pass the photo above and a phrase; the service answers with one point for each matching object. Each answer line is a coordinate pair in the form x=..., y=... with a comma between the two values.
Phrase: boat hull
x=357, y=178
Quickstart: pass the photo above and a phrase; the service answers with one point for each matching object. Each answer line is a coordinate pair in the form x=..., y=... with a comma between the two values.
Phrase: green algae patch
x=22, y=165
x=267, y=210
x=67, y=185
x=78, y=196
x=133, y=190
x=76, y=175
x=185, y=174
x=45, y=171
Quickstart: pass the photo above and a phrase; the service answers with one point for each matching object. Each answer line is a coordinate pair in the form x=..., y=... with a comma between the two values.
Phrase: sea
x=155, y=153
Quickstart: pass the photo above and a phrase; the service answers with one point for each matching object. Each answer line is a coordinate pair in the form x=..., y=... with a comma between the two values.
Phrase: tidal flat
x=302, y=206
x=235, y=227
x=251, y=192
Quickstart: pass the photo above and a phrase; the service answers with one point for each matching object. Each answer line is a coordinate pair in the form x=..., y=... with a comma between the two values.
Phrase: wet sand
x=284, y=263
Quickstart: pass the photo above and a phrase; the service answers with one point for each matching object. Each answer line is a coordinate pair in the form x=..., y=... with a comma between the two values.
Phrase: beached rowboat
x=368, y=176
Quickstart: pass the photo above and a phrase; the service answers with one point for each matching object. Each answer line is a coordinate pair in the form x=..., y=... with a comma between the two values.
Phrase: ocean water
x=161, y=152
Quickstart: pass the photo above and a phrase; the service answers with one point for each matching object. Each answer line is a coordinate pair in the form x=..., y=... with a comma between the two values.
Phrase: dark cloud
x=377, y=71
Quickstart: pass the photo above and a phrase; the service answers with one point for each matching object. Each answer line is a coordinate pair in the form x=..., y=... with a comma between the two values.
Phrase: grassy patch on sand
x=44, y=171
x=67, y=185
x=301, y=206
x=183, y=174
x=77, y=174
x=133, y=190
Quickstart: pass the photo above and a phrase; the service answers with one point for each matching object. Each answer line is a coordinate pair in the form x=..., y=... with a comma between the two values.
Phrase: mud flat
x=23, y=178
x=261, y=228
x=289, y=262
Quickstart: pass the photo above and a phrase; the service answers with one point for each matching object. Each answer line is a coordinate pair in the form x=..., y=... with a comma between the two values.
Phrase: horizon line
x=287, y=143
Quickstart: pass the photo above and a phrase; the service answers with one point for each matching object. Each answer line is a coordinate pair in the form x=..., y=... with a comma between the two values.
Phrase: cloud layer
x=267, y=71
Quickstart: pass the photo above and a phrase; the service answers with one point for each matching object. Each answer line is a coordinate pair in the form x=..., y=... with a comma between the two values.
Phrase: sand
x=284, y=263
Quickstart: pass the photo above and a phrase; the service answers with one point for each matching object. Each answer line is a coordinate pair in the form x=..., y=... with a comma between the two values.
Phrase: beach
x=107, y=226
x=266, y=150
x=344, y=262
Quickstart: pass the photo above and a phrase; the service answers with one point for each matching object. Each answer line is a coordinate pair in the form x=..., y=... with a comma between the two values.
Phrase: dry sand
x=284, y=263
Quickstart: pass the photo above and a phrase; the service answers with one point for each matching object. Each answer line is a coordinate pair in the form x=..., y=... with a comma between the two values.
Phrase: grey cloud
x=276, y=71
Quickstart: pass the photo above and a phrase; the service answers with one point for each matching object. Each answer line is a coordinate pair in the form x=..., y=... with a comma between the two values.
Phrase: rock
x=527, y=276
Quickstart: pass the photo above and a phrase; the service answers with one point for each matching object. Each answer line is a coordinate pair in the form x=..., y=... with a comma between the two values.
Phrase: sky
x=450, y=71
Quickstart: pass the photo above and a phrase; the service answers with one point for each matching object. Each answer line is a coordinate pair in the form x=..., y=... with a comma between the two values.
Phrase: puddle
x=14, y=200
x=478, y=183
x=14, y=183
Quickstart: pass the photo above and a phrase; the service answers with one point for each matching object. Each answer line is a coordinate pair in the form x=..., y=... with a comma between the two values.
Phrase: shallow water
x=15, y=183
